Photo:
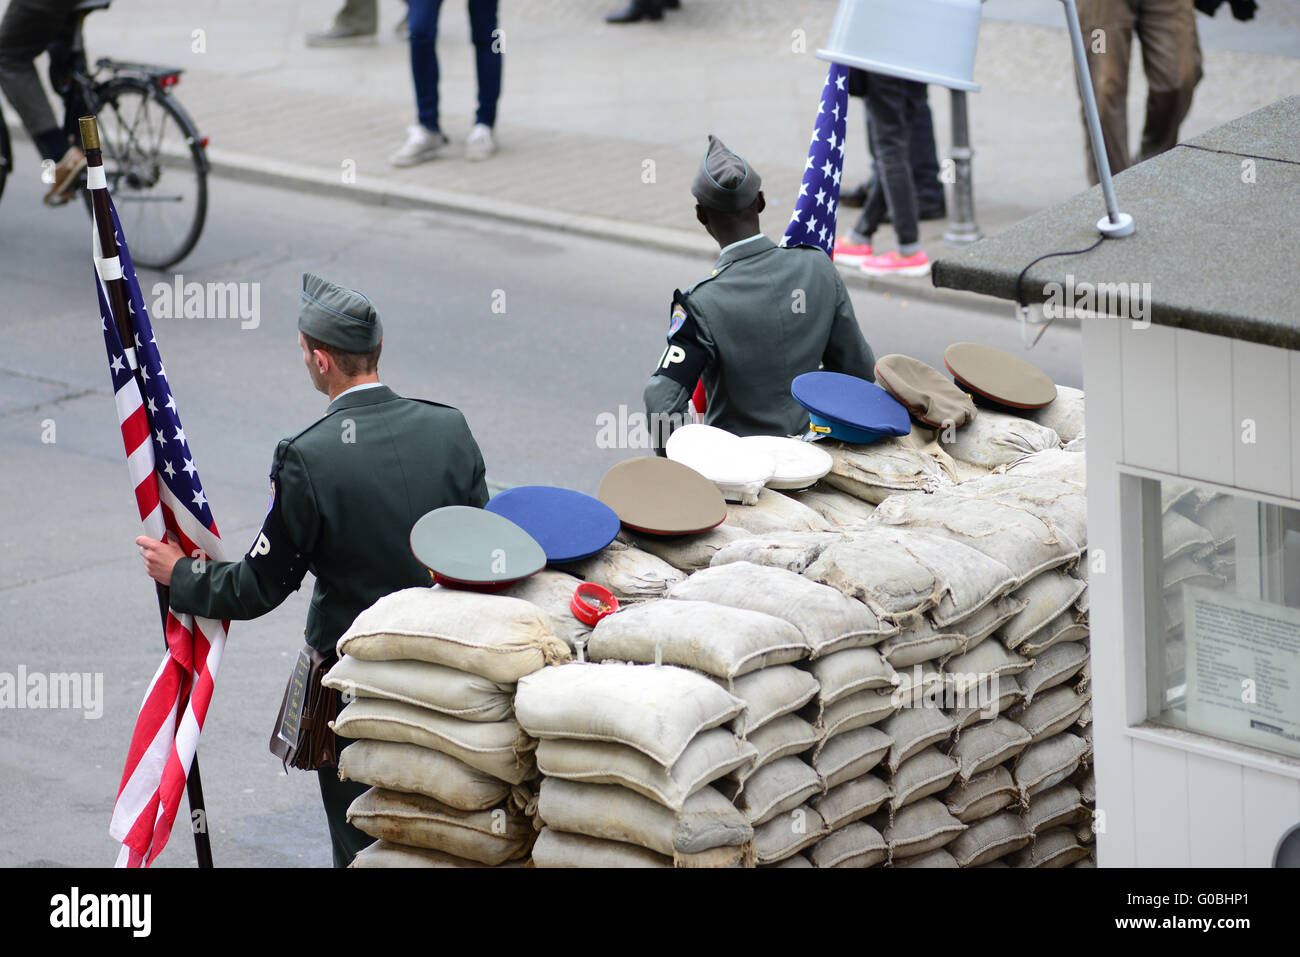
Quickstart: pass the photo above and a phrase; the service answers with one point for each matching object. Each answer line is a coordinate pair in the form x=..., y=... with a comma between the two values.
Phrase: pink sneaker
x=892, y=264
x=849, y=254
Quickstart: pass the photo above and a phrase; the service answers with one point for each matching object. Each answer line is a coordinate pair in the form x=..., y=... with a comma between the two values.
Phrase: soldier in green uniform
x=345, y=492
x=765, y=315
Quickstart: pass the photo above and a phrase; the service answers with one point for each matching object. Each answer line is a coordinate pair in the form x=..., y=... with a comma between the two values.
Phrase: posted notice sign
x=1243, y=669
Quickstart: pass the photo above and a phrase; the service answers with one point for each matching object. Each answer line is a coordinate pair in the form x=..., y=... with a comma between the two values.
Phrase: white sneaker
x=480, y=144
x=421, y=144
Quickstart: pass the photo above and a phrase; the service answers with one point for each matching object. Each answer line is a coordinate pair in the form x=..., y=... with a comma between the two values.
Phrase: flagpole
x=116, y=286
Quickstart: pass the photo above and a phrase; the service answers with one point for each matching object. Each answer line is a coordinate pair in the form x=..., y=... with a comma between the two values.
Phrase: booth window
x=1222, y=605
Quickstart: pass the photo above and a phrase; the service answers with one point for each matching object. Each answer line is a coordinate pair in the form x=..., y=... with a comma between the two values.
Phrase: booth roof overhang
x=1218, y=236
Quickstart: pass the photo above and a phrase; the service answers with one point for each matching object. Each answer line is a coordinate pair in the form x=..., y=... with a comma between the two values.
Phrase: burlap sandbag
x=398, y=766
x=1054, y=847
x=838, y=508
x=875, y=472
x=687, y=553
x=918, y=828
x=937, y=859
x=850, y=671
x=657, y=710
x=982, y=795
x=1044, y=597
x=1055, y=666
x=707, y=758
x=849, y=713
x=775, y=512
x=793, y=551
x=385, y=854
x=1061, y=506
x=921, y=641
x=996, y=438
x=460, y=694
x=1063, y=415
x=850, y=755
x=560, y=849
x=852, y=800
x=630, y=573
x=500, y=748
x=912, y=730
x=1048, y=763
x=987, y=840
x=987, y=745
x=1051, y=464
x=1058, y=805
x=721, y=641
x=771, y=790
x=551, y=591
x=787, y=834
x=706, y=820
x=925, y=773
x=854, y=845
x=827, y=619
x=490, y=837
x=1064, y=627
x=787, y=735
x=490, y=635
x=769, y=693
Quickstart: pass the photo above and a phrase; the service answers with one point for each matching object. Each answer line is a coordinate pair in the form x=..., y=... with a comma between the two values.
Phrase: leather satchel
x=302, y=737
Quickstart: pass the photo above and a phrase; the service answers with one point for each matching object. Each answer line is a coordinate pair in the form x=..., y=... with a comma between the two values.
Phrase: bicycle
x=155, y=161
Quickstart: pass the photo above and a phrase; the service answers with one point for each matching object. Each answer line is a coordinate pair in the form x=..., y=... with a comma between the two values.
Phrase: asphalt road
x=532, y=334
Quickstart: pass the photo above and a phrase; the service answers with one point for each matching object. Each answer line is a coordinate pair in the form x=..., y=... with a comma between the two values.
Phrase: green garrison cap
x=338, y=316
x=724, y=181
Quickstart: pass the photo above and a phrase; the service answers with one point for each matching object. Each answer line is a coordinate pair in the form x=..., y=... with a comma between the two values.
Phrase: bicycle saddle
x=86, y=6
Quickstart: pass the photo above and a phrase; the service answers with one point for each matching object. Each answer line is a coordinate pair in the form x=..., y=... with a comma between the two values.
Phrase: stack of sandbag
x=628, y=754
x=814, y=720
x=1199, y=537
x=427, y=676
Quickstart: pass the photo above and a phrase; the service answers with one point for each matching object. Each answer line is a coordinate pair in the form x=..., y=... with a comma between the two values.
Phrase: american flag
x=172, y=507
x=813, y=221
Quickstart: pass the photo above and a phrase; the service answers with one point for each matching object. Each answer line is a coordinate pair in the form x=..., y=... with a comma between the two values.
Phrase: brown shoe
x=65, y=176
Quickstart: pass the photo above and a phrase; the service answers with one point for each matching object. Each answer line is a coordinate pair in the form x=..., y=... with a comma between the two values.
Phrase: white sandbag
x=925, y=773
x=1058, y=805
x=782, y=737
x=1048, y=763
x=921, y=686
x=934, y=859
x=775, y=512
x=687, y=553
x=1063, y=628
x=796, y=861
x=490, y=635
x=490, y=837
x=874, y=472
x=980, y=624
x=1055, y=847
x=912, y=730
x=1052, y=464
x=849, y=713
x=630, y=573
x=984, y=794
x=788, y=834
x=987, y=840
x=1044, y=597
x=1063, y=415
x=921, y=641
x=996, y=438
x=850, y=755
x=460, y=694
x=827, y=620
x=838, y=508
x=499, y=748
x=1024, y=543
x=551, y=591
x=561, y=849
x=849, y=671
x=920, y=828
x=397, y=766
x=854, y=845
x=385, y=854
x=852, y=800
x=710, y=756
x=984, y=700
x=769, y=693
x=720, y=641
x=771, y=790
x=793, y=551
x=987, y=745
x=657, y=710
x=987, y=660
x=1062, y=506
x=1181, y=536
x=706, y=820
x=1055, y=666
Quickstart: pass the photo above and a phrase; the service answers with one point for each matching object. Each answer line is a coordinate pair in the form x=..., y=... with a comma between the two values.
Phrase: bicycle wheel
x=6, y=155
x=155, y=168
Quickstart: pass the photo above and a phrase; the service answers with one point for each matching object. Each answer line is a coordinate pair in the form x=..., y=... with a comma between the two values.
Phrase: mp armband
x=274, y=557
x=686, y=357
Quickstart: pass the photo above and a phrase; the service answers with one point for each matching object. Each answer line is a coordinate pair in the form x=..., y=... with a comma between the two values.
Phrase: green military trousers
x=346, y=839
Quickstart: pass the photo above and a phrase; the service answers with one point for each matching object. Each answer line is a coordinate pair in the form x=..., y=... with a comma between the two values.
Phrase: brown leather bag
x=302, y=737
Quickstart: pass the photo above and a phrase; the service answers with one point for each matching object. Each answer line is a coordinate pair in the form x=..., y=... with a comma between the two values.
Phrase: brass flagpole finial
x=89, y=133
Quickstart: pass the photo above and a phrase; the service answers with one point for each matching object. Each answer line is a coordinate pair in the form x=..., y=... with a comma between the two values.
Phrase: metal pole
x=1115, y=223
x=961, y=227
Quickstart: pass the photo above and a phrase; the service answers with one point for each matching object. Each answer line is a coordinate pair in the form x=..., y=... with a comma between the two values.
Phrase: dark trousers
x=893, y=106
x=424, y=58
x=1171, y=58
x=28, y=27
x=925, y=160
x=346, y=840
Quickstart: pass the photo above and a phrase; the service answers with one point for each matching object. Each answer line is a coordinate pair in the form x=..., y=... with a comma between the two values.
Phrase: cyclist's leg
x=27, y=28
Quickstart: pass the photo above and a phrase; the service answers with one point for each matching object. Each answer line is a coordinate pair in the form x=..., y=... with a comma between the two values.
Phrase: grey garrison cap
x=338, y=316
x=724, y=181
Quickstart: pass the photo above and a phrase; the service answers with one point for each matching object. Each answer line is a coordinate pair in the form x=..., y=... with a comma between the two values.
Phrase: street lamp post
x=962, y=228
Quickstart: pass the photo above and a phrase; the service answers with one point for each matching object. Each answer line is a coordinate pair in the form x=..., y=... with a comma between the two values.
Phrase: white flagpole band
x=130, y=358
x=109, y=269
x=95, y=178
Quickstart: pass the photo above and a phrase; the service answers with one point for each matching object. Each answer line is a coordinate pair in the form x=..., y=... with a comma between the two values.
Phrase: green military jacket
x=766, y=314
x=345, y=493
